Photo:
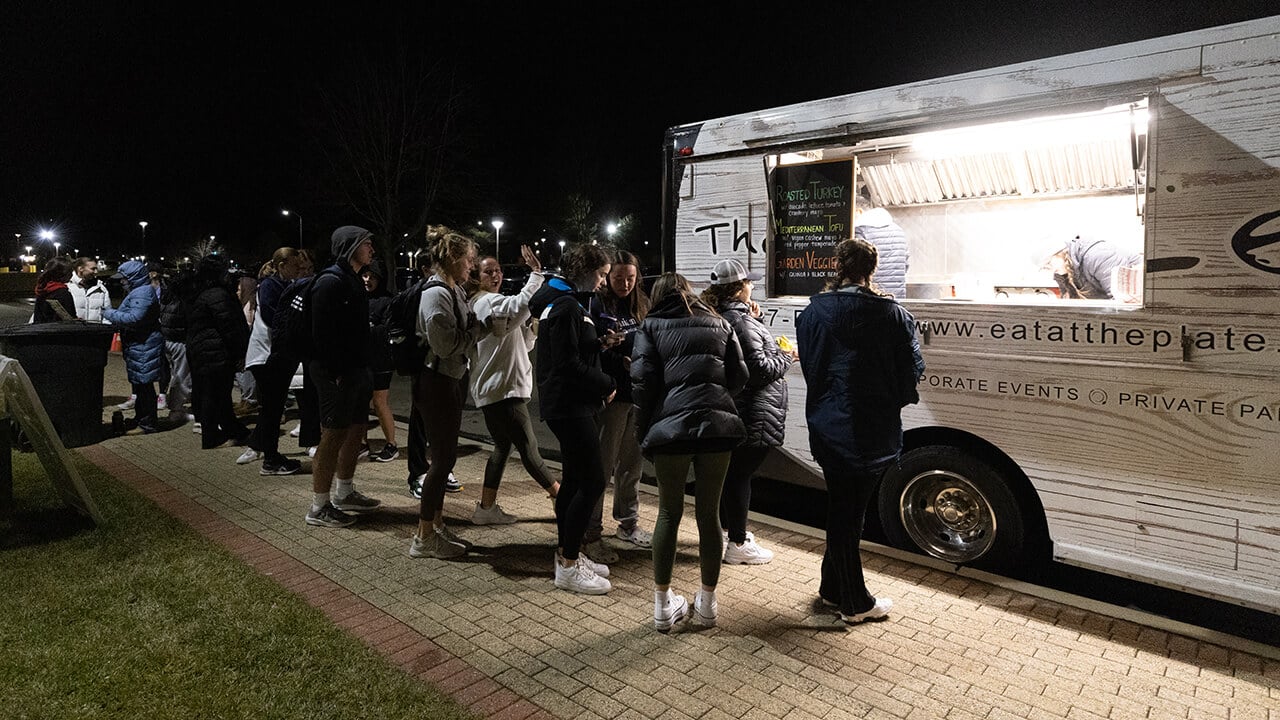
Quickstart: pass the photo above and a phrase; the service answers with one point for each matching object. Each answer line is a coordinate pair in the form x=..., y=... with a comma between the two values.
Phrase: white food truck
x=1137, y=434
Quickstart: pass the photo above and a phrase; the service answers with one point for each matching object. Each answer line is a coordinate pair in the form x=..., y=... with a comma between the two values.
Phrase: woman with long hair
x=686, y=368
x=272, y=371
x=861, y=363
x=620, y=305
x=762, y=404
x=502, y=382
x=572, y=390
x=53, y=299
x=450, y=330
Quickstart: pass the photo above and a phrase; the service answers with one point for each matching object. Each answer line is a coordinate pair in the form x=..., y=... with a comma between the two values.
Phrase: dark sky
x=202, y=120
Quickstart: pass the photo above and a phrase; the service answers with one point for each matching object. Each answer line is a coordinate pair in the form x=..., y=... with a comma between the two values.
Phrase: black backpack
x=408, y=351
x=291, y=335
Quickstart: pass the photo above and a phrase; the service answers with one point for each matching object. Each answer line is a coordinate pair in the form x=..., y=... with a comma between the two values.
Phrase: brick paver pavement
x=493, y=632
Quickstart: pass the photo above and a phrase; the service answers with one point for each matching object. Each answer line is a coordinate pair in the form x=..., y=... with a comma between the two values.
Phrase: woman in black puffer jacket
x=762, y=405
x=217, y=338
x=686, y=366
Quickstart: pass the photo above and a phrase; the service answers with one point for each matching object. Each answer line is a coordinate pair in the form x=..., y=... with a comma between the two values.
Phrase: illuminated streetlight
x=611, y=228
x=287, y=213
x=497, y=239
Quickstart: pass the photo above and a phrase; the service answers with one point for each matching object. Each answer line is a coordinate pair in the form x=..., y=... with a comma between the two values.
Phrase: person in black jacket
x=53, y=299
x=173, y=327
x=762, y=404
x=572, y=390
x=216, y=341
x=340, y=370
x=381, y=364
x=685, y=369
x=861, y=364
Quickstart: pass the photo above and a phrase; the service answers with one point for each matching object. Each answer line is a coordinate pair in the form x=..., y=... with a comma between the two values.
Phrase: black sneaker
x=330, y=516
x=415, y=486
x=282, y=466
x=364, y=452
x=452, y=485
x=388, y=453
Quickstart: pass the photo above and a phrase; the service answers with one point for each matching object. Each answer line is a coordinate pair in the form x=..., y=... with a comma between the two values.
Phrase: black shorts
x=345, y=403
x=382, y=380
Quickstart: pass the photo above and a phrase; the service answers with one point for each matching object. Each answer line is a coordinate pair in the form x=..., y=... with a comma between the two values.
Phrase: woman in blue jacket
x=138, y=318
x=861, y=363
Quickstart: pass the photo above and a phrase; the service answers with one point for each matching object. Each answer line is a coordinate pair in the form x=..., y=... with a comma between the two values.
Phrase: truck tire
x=948, y=504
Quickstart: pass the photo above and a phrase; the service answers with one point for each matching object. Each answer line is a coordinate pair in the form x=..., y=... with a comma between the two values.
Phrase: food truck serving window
x=1039, y=210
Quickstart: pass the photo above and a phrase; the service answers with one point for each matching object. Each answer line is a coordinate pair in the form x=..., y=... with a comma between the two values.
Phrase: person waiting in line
x=502, y=382
x=416, y=449
x=54, y=301
x=861, y=363
x=572, y=390
x=619, y=306
x=875, y=225
x=1091, y=269
x=216, y=342
x=91, y=297
x=173, y=326
x=762, y=404
x=339, y=367
x=686, y=367
x=271, y=371
x=245, y=287
x=450, y=330
x=307, y=431
x=139, y=320
x=382, y=365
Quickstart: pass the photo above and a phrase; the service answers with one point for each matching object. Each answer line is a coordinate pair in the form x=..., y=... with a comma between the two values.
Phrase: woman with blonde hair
x=450, y=330
x=272, y=371
x=686, y=368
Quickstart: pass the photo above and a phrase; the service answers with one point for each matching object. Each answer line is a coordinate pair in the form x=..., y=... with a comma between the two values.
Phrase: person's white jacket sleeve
x=498, y=311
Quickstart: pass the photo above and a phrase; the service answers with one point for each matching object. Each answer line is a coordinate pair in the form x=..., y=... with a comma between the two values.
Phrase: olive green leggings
x=672, y=472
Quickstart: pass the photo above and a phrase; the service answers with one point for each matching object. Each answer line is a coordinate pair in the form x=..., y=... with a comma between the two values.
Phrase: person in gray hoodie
x=339, y=365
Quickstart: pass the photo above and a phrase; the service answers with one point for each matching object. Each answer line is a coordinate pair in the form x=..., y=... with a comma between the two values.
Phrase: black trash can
x=65, y=362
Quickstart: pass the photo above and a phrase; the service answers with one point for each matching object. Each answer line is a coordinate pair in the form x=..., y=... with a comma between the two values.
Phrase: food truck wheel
x=951, y=505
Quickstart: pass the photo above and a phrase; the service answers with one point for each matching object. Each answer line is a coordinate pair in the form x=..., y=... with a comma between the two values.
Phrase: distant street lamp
x=560, y=260
x=286, y=213
x=143, y=223
x=611, y=228
x=497, y=239
x=57, y=248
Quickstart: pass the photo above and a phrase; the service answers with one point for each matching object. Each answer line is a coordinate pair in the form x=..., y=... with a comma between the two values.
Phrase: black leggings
x=437, y=401
x=581, y=482
x=273, y=388
x=509, y=425
x=735, y=500
x=218, y=421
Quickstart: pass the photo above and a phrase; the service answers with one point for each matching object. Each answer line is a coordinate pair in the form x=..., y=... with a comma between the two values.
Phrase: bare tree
x=386, y=137
x=205, y=246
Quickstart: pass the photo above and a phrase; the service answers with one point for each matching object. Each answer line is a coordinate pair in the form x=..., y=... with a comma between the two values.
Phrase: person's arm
x=765, y=360
x=438, y=321
x=327, y=300
x=229, y=322
x=647, y=380
x=133, y=309
x=563, y=329
x=736, y=373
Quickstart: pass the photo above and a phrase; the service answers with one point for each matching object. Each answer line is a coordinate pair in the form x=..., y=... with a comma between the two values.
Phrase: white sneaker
x=668, y=609
x=491, y=516
x=296, y=431
x=162, y=402
x=705, y=608
x=249, y=455
x=748, y=553
x=580, y=578
x=128, y=404
x=598, y=568
x=311, y=451
x=195, y=428
x=437, y=545
x=636, y=536
x=879, y=611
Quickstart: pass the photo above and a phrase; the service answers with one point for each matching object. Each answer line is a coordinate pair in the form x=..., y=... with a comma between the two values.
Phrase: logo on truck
x=1259, y=251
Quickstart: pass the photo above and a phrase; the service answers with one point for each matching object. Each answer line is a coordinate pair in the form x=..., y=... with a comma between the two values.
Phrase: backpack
x=291, y=335
x=408, y=351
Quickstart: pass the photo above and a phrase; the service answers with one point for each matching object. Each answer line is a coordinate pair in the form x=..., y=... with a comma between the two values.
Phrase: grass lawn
x=143, y=618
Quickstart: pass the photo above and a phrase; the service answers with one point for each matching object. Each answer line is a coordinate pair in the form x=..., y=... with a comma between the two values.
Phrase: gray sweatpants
x=179, y=391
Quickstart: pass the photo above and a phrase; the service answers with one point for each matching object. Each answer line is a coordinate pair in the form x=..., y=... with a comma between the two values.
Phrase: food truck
x=1134, y=431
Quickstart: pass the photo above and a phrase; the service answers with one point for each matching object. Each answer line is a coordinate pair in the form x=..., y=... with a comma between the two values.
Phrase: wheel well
x=1019, y=483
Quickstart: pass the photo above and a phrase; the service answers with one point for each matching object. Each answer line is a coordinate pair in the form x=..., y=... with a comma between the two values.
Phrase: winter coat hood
x=345, y=240
x=134, y=273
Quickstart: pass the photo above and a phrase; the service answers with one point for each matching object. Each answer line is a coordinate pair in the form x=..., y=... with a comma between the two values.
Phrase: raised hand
x=530, y=258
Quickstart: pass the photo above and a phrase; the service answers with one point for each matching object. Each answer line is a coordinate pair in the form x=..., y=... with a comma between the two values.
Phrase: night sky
x=206, y=121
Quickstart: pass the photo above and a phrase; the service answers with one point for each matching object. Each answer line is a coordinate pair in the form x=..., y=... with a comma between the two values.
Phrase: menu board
x=812, y=211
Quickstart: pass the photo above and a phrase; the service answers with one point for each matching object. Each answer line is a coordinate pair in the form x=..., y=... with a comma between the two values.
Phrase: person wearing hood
x=90, y=295
x=685, y=369
x=861, y=363
x=139, y=319
x=874, y=224
x=381, y=362
x=1094, y=269
x=339, y=367
x=572, y=390
x=216, y=341
x=53, y=300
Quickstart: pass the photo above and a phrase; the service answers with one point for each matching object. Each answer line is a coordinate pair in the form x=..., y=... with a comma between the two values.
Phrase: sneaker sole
x=378, y=458
x=664, y=626
x=748, y=561
x=356, y=508
x=321, y=523
x=453, y=490
x=280, y=472
x=512, y=521
x=704, y=621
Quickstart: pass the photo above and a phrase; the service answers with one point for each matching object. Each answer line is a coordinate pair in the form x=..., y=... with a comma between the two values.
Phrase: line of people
x=695, y=383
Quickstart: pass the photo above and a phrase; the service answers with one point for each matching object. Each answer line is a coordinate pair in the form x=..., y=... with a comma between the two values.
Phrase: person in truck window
x=1091, y=269
x=874, y=224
